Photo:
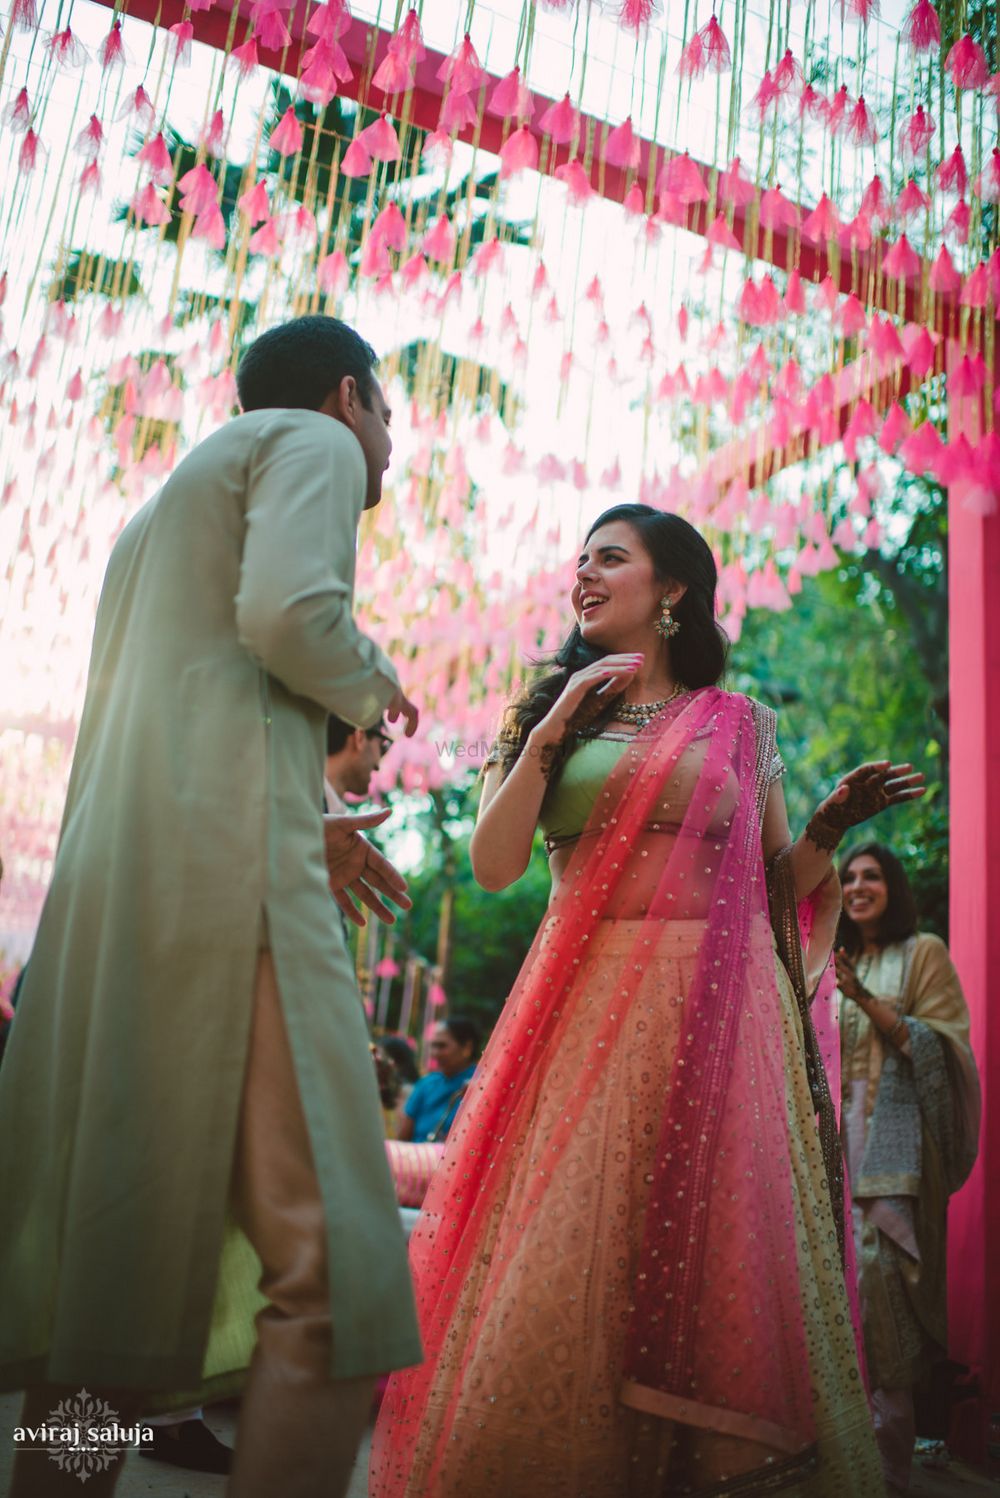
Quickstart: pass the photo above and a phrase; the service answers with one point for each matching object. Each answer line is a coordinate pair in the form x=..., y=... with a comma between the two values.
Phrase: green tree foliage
x=844, y=672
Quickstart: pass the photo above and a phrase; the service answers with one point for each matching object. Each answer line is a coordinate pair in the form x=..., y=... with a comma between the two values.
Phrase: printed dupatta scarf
x=716, y=1338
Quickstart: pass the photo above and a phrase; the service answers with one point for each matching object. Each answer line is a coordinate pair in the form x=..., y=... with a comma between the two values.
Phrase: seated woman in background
x=910, y=1122
x=431, y=1107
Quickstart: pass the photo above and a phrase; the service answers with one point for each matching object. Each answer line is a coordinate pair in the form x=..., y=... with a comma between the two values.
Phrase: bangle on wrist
x=899, y=1025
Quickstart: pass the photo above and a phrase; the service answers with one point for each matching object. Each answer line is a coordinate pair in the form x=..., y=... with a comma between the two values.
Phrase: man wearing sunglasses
x=352, y=757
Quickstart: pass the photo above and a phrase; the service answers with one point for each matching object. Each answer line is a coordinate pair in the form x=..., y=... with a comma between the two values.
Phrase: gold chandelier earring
x=666, y=626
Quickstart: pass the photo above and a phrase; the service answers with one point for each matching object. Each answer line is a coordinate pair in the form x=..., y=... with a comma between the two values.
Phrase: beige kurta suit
x=192, y=833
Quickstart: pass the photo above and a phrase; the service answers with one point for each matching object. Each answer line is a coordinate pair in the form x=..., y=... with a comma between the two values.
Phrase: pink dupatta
x=716, y=1339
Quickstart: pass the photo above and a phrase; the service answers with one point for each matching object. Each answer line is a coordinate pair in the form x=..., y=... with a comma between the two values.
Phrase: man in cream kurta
x=189, y=936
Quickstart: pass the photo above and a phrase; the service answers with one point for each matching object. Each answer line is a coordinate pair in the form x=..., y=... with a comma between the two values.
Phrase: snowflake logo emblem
x=78, y=1417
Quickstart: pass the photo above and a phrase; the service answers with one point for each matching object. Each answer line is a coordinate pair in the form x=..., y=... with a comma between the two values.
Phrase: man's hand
x=864, y=793
x=356, y=868
x=402, y=707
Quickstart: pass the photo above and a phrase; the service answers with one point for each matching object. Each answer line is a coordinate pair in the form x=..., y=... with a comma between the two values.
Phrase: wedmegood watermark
x=82, y=1435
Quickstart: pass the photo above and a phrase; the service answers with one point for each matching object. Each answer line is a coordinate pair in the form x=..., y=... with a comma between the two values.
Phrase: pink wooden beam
x=366, y=46
x=974, y=868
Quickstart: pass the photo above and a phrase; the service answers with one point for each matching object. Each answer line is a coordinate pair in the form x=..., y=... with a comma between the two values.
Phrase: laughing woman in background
x=910, y=1121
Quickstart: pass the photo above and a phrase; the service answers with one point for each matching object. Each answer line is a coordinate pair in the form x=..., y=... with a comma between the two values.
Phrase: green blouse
x=569, y=802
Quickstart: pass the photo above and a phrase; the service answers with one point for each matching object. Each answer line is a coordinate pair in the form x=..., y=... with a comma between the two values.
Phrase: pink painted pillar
x=974, y=640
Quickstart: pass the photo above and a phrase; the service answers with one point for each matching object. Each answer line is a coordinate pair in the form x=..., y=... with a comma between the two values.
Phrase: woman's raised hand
x=607, y=677
x=862, y=794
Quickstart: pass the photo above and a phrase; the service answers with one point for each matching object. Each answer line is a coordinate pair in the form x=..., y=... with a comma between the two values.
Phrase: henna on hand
x=862, y=794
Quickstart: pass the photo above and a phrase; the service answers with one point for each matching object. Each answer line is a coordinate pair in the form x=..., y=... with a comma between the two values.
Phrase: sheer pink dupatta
x=716, y=1339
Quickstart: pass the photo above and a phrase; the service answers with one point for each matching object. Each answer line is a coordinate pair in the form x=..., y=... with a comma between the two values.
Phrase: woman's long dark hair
x=900, y=917
x=697, y=652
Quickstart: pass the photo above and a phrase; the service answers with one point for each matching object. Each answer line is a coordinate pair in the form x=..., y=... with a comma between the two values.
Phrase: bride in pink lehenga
x=627, y=1267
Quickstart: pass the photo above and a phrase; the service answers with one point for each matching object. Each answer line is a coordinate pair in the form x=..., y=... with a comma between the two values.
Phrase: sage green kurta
x=224, y=637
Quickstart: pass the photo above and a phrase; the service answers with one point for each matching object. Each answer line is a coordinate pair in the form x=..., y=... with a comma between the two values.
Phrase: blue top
x=428, y=1103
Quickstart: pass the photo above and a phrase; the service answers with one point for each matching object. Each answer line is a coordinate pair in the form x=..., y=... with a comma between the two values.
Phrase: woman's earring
x=667, y=626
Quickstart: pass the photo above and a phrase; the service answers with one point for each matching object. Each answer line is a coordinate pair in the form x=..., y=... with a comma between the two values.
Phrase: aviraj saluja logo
x=82, y=1435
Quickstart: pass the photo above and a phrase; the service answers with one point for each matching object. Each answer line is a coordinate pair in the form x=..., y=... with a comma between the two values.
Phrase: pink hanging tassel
x=896, y=426
x=90, y=140
x=459, y=112
x=861, y=126
x=787, y=74
x=826, y=294
x=576, y=180
x=439, y=242
x=840, y=107
x=795, y=297
x=356, y=161
x=488, y=257
x=968, y=376
x=27, y=157
x=958, y=221
x=918, y=132
x=823, y=222
x=976, y=290
x=857, y=234
x=922, y=29
x=966, y=64
x=766, y=97
x=254, y=204
x=265, y=240
x=332, y=273
x=561, y=122
x=394, y=74
x=286, y=137
x=692, y=60
x=244, y=57
x=24, y=15
x=272, y=33
x=67, y=50
x=734, y=187
x=682, y=178
x=210, y=226
x=183, y=35
x=987, y=184
x=943, y=276
x=390, y=226
x=951, y=174
x=330, y=20
x=156, y=158
x=634, y=202
x=851, y=316
x=463, y=69
x=90, y=178
x=715, y=49
x=911, y=200
x=111, y=52
x=993, y=268
x=776, y=212
x=875, y=201
x=635, y=14
x=149, y=207
x=413, y=270
x=813, y=106
x=198, y=189
x=721, y=234
x=380, y=140
x=140, y=106
x=901, y=262
x=884, y=341
x=18, y=113
x=212, y=138
x=861, y=10
x=518, y=153
x=511, y=99
x=622, y=147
